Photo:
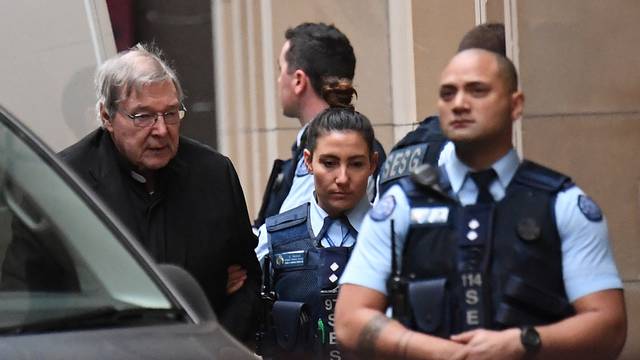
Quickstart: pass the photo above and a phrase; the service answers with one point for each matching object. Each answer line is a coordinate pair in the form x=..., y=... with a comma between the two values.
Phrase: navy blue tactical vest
x=420, y=146
x=304, y=274
x=487, y=266
x=278, y=187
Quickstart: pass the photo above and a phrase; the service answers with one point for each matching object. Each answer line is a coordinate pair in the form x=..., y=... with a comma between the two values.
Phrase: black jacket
x=206, y=225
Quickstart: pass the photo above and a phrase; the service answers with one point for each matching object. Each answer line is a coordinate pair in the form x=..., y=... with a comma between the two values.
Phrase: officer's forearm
x=381, y=337
x=362, y=328
x=597, y=331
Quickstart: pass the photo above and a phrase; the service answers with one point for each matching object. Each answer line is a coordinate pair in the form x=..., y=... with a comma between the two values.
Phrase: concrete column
x=438, y=27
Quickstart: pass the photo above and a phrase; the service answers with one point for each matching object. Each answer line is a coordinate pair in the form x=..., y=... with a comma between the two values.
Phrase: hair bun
x=338, y=93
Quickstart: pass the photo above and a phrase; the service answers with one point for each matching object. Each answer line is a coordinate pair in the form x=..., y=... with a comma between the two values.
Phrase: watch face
x=530, y=338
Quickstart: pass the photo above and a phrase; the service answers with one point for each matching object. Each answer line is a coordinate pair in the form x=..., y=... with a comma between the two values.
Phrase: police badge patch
x=383, y=209
x=589, y=208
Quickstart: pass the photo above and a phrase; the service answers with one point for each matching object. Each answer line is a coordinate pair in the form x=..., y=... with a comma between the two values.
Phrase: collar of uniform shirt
x=506, y=168
x=355, y=215
x=300, y=132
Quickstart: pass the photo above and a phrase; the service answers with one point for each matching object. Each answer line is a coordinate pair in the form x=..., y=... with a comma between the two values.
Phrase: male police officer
x=495, y=244
x=427, y=144
x=312, y=53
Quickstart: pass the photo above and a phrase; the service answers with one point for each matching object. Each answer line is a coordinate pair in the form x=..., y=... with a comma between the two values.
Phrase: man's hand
x=487, y=344
x=236, y=277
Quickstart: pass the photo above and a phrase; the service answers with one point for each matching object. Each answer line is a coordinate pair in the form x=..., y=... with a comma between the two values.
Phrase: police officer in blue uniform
x=493, y=257
x=311, y=53
x=307, y=247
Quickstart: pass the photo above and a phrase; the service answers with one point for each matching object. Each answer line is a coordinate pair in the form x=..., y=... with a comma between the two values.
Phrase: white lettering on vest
x=472, y=317
x=471, y=279
x=335, y=355
x=471, y=297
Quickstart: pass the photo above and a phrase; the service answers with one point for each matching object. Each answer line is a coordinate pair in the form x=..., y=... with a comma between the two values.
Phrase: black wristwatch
x=530, y=339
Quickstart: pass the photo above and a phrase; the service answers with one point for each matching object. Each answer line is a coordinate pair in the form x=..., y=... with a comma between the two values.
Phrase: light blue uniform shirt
x=302, y=184
x=338, y=234
x=587, y=259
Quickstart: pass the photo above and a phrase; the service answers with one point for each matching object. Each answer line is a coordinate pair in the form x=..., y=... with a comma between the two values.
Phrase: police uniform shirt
x=338, y=233
x=302, y=184
x=587, y=259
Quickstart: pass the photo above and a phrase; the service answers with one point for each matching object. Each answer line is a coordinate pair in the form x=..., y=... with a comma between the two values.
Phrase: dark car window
x=58, y=256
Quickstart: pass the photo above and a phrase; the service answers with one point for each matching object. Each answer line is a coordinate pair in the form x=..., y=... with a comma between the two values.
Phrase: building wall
x=438, y=27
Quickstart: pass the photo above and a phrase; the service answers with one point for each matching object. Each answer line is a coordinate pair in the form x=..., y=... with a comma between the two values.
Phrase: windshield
x=58, y=257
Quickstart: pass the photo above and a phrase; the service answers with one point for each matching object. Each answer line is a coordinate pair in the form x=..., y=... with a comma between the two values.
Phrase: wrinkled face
x=474, y=102
x=150, y=148
x=341, y=165
x=286, y=83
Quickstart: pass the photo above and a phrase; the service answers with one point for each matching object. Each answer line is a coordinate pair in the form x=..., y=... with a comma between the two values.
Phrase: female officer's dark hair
x=340, y=115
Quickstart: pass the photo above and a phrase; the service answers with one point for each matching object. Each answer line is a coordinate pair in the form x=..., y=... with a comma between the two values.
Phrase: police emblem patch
x=302, y=169
x=383, y=209
x=528, y=230
x=589, y=208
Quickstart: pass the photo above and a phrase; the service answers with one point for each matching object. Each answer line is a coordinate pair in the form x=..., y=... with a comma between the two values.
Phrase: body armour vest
x=278, y=187
x=420, y=146
x=488, y=266
x=305, y=279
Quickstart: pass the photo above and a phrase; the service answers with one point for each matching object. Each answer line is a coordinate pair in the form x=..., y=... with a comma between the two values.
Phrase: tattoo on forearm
x=369, y=335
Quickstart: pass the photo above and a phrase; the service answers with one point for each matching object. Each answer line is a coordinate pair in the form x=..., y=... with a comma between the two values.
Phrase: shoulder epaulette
x=288, y=218
x=409, y=186
x=541, y=177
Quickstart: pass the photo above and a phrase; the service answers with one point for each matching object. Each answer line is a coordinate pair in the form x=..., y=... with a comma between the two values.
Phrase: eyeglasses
x=149, y=119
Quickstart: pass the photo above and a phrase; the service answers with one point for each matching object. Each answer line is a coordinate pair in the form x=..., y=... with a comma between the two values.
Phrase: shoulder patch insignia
x=402, y=162
x=383, y=209
x=302, y=169
x=589, y=208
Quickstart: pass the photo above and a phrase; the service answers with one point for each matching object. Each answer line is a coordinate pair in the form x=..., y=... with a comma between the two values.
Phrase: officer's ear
x=300, y=81
x=375, y=157
x=308, y=159
x=517, y=105
x=105, y=118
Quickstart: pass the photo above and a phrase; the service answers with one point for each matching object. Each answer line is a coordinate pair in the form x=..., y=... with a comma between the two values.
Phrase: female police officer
x=309, y=245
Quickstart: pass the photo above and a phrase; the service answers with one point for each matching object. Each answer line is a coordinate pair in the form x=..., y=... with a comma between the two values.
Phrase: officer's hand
x=487, y=344
x=236, y=277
